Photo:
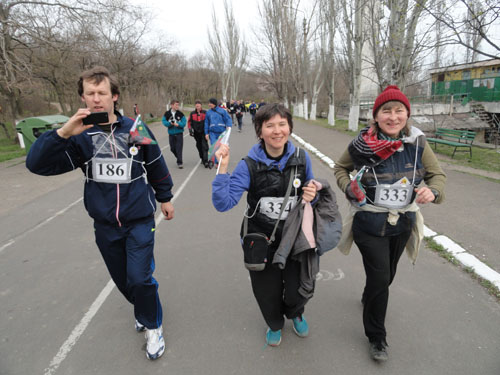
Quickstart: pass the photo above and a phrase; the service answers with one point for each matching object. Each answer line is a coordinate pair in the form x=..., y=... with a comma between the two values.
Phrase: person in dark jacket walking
x=392, y=159
x=175, y=121
x=239, y=111
x=265, y=174
x=196, y=126
x=122, y=180
x=252, y=108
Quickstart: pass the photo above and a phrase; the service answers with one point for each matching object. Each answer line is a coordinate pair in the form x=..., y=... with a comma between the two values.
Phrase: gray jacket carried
x=310, y=231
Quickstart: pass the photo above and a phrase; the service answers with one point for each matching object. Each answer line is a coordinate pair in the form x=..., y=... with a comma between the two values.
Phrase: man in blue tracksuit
x=124, y=176
x=175, y=121
x=216, y=121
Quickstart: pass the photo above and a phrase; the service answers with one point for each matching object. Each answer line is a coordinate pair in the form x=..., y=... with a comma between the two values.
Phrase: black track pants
x=380, y=259
x=277, y=293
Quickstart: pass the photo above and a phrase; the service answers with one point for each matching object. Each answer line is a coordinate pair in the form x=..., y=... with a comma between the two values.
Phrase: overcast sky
x=187, y=20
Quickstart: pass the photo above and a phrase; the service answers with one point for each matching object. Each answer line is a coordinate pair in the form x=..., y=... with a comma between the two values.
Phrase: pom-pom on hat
x=391, y=93
x=213, y=101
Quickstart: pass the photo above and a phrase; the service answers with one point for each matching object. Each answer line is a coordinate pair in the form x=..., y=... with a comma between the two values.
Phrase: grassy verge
x=482, y=158
x=441, y=251
x=9, y=148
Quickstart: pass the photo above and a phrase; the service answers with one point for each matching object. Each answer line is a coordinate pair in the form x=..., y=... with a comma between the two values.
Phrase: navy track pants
x=128, y=254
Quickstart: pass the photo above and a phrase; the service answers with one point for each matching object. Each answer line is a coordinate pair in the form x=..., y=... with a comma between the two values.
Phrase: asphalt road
x=55, y=291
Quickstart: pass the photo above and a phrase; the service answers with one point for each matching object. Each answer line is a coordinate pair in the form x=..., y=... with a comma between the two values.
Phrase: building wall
x=476, y=83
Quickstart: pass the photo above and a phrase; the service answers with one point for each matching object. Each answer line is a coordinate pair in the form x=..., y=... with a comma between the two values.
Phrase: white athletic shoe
x=139, y=327
x=155, y=343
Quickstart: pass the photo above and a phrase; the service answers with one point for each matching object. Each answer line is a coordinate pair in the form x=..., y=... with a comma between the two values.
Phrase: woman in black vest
x=265, y=174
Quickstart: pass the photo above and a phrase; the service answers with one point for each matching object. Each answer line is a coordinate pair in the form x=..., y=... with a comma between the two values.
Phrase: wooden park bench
x=454, y=138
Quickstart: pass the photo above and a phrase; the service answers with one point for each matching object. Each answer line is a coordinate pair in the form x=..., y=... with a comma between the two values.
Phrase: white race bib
x=393, y=196
x=271, y=206
x=112, y=171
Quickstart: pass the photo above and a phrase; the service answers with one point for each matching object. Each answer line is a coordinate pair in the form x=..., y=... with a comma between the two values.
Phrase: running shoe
x=273, y=338
x=378, y=351
x=300, y=326
x=155, y=343
x=139, y=327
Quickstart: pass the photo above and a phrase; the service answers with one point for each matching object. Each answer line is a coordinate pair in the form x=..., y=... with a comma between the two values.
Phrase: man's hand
x=207, y=137
x=75, y=126
x=167, y=208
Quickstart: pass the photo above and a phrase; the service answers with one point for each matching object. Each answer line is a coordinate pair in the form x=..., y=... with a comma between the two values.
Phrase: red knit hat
x=391, y=93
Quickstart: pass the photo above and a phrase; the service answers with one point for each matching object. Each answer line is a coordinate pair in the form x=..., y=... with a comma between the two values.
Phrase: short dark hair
x=97, y=74
x=197, y=102
x=266, y=112
x=173, y=101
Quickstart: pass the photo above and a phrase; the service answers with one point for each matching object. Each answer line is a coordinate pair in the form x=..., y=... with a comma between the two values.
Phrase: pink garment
x=308, y=218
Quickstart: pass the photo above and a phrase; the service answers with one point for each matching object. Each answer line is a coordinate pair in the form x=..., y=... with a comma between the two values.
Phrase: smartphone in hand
x=96, y=118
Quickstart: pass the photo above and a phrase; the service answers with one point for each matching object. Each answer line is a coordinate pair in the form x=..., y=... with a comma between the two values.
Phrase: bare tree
x=329, y=23
x=354, y=38
x=479, y=25
x=227, y=51
x=475, y=16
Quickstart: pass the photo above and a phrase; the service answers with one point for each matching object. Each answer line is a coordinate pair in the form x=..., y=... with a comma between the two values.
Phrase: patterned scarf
x=368, y=150
x=371, y=149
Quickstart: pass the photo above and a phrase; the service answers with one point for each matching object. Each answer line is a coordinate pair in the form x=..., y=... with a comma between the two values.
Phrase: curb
x=458, y=252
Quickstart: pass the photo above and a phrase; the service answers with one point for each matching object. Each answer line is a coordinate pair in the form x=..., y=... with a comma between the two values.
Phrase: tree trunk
x=331, y=114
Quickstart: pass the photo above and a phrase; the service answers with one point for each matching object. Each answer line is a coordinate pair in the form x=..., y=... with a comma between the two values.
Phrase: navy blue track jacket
x=109, y=203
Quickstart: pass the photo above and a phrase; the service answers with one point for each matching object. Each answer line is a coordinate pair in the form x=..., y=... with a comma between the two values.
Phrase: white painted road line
x=466, y=259
x=101, y=298
x=79, y=329
x=39, y=225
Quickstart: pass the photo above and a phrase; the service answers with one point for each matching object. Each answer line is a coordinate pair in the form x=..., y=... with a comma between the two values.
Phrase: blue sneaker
x=273, y=338
x=300, y=326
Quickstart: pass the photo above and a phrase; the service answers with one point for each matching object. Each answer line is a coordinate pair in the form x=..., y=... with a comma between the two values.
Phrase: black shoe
x=210, y=164
x=378, y=351
x=205, y=164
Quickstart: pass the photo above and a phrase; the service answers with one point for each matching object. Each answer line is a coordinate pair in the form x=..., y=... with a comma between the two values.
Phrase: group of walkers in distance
x=204, y=125
x=291, y=217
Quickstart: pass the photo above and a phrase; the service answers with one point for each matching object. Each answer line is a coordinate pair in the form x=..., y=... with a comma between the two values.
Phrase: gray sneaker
x=378, y=351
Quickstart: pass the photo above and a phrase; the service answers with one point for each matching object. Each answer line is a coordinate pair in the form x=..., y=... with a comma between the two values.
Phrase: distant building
x=479, y=81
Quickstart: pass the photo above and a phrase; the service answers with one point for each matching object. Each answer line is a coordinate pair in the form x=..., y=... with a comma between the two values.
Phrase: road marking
x=101, y=298
x=160, y=216
x=325, y=275
x=39, y=225
x=79, y=329
x=466, y=259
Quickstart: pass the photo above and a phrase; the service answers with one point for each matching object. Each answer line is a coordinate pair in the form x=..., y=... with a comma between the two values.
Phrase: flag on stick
x=223, y=139
x=139, y=133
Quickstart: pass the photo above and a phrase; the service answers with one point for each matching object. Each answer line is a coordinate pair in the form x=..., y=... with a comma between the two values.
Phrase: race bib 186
x=271, y=206
x=113, y=171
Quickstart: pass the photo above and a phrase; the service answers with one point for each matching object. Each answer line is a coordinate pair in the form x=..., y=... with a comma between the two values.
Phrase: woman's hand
x=222, y=156
x=424, y=195
x=309, y=192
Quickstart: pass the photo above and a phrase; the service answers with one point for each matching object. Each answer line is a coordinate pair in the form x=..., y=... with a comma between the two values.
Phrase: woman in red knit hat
x=392, y=160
